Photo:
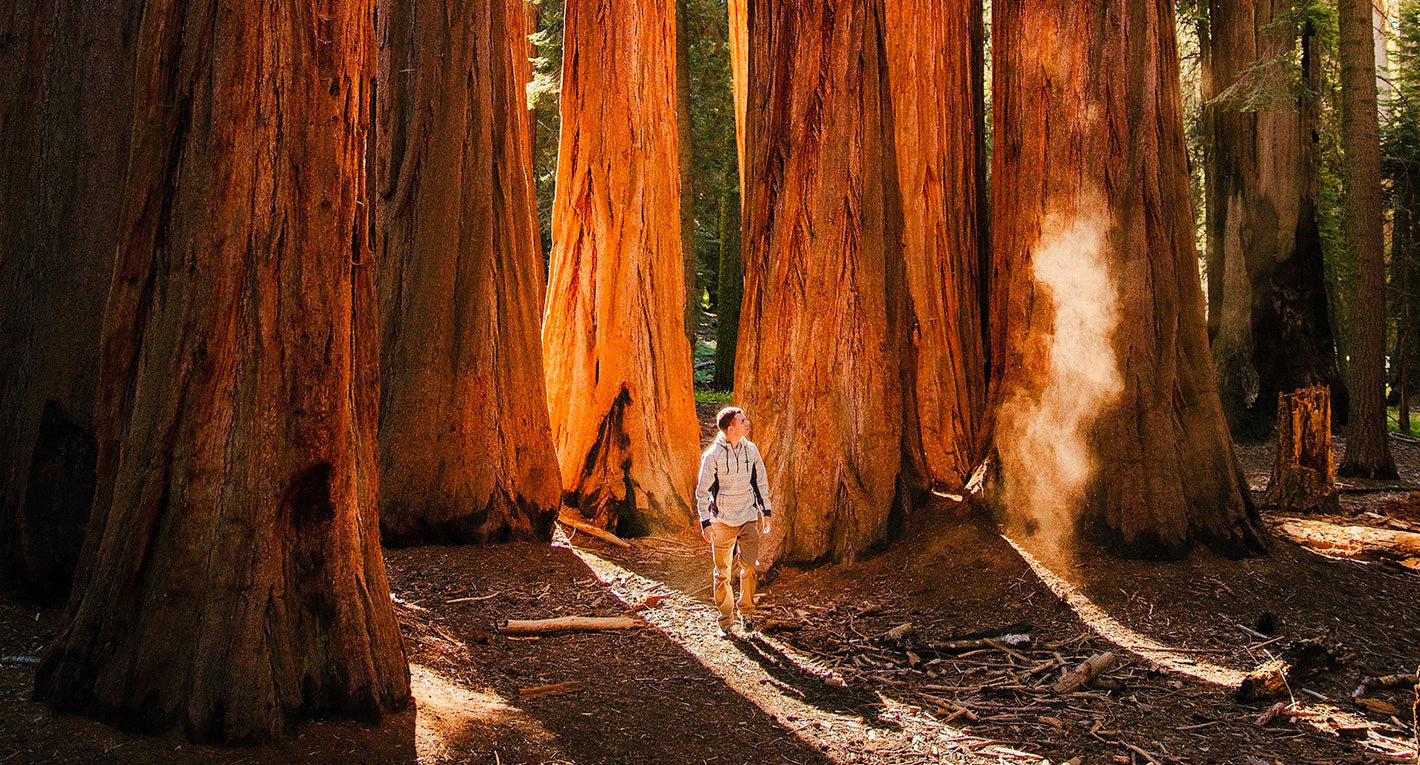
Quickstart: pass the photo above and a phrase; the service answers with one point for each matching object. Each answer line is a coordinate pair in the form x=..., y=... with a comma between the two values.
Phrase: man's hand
x=705, y=533
x=764, y=524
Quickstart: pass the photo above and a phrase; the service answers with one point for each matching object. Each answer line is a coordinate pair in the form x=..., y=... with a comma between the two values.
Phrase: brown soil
x=821, y=685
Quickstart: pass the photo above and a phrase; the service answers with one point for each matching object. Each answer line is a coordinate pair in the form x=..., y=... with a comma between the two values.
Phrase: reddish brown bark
x=934, y=95
x=617, y=358
x=739, y=73
x=856, y=346
x=1303, y=471
x=65, y=106
x=1272, y=331
x=1107, y=409
x=1367, y=450
x=235, y=580
x=465, y=447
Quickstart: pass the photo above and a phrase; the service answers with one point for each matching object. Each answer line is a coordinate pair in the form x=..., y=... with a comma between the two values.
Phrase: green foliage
x=703, y=359
x=712, y=127
x=543, y=94
x=707, y=396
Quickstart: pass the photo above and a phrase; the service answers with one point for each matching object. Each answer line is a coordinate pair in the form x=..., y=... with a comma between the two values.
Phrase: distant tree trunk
x=1212, y=253
x=236, y=581
x=731, y=290
x=1273, y=332
x=1367, y=450
x=532, y=17
x=617, y=358
x=1107, y=411
x=686, y=163
x=853, y=107
x=465, y=446
x=1401, y=272
x=934, y=103
x=65, y=111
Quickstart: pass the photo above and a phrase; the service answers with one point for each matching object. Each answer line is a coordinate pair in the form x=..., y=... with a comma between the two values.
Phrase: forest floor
x=824, y=683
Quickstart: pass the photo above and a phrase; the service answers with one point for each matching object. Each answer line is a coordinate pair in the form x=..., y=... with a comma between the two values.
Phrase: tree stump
x=1304, y=473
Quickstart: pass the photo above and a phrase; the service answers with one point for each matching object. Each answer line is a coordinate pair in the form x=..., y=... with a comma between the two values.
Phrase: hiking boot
x=723, y=630
x=748, y=623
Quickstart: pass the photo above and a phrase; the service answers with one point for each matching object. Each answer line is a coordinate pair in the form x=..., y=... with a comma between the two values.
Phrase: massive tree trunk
x=935, y=87
x=236, y=580
x=840, y=128
x=686, y=164
x=617, y=358
x=1273, y=332
x=1107, y=409
x=732, y=291
x=1367, y=450
x=465, y=446
x=65, y=108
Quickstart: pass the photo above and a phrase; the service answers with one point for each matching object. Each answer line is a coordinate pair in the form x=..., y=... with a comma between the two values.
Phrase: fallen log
x=569, y=624
x=1081, y=676
x=1354, y=542
x=554, y=689
x=569, y=518
x=1002, y=643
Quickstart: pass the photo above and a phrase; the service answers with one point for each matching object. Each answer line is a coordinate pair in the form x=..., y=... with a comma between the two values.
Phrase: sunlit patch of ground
x=454, y=721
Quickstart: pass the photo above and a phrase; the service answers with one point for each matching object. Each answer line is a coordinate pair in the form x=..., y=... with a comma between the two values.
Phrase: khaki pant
x=724, y=539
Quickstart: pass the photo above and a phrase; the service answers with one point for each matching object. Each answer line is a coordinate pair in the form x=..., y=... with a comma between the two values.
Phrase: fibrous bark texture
x=1367, y=451
x=465, y=446
x=854, y=347
x=235, y=580
x=1303, y=472
x=65, y=106
x=933, y=78
x=739, y=74
x=1272, y=330
x=1107, y=412
x=617, y=357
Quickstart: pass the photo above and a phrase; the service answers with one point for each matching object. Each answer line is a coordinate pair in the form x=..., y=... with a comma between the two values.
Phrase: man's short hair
x=727, y=416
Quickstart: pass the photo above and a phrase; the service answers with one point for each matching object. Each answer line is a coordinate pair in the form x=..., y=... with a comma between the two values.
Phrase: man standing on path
x=732, y=496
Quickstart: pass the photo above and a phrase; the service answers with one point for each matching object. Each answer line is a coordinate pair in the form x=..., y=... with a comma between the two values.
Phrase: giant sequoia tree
x=465, y=447
x=853, y=320
x=934, y=96
x=235, y=578
x=1266, y=275
x=1106, y=393
x=1367, y=451
x=617, y=357
x=65, y=99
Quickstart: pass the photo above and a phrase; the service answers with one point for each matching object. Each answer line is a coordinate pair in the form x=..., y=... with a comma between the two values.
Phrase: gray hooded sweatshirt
x=733, y=488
